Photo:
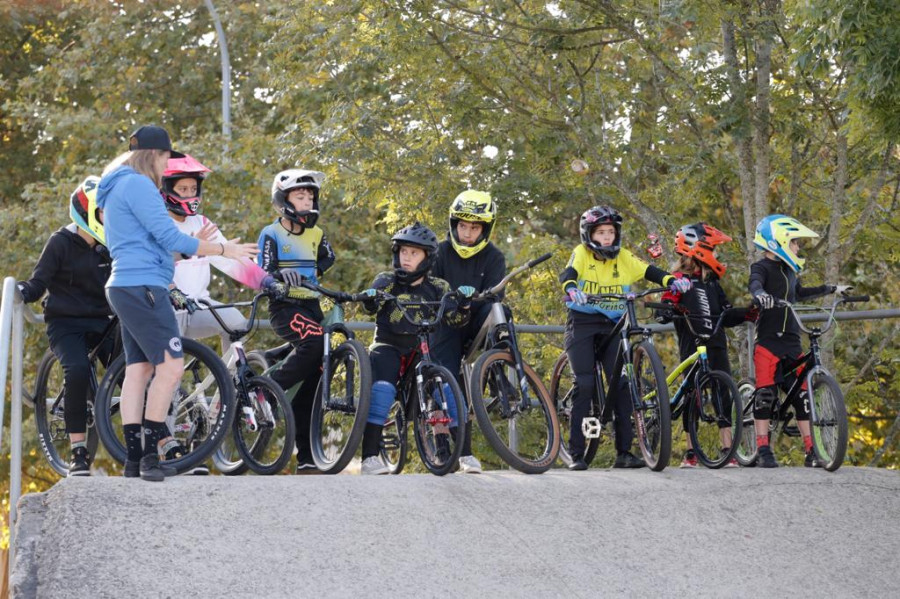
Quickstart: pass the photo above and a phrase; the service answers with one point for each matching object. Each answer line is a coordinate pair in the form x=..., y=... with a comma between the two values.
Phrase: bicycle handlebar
x=339, y=297
x=213, y=309
x=845, y=299
x=402, y=305
x=630, y=296
x=496, y=289
x=688, y=317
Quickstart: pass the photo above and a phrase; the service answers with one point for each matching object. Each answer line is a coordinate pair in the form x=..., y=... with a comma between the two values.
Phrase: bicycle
x=200, y=414
x=49, y=401
x=646, y=384
x=510, y=402
x=827, y=411
x=336, y=428
x=704, y=395
x=422, y=398
x=263, y=427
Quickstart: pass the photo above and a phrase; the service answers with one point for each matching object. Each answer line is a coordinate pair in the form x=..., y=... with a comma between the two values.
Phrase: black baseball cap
x=151, y=137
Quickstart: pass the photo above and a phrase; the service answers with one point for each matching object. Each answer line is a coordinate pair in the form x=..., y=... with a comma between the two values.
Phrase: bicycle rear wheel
x=651, y=417
x=526, y=438
x=438, y=446
x=713, y=402
x=226, y=458
x=829, y=428
x=394, y=441
x=200, y=414
x=264, y=427
x=49, y=415
x=339, y=420
x=562, y=394
x=746, y=453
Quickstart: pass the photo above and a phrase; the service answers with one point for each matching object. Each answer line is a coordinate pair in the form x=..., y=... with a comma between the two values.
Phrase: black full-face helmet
x=416, y=235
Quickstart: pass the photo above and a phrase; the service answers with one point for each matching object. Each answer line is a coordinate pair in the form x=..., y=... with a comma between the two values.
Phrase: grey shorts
x=148, y=324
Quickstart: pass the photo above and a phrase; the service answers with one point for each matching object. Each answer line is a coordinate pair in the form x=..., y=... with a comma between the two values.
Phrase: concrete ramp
x=736, y=533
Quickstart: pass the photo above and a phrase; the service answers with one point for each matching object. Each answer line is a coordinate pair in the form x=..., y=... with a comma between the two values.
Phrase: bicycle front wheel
x=439, y=442
x=394, y=441
x=746, y=453
x=200, y=414
x=652, y=418
x=525, y=436
x=264, y=427
x=562, y=394
x=49, y=415
x=714, y=419
x=829, y=428
x=339, y=420
x=226, y=458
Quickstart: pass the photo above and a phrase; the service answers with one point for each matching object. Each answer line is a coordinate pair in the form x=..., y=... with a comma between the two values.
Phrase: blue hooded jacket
x=140, y=234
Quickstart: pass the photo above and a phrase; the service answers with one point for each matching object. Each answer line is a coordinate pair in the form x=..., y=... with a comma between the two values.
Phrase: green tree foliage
x=404, y=104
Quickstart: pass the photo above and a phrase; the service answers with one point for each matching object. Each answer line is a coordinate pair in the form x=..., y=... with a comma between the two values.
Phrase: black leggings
x=71, y=339
x=580, y=347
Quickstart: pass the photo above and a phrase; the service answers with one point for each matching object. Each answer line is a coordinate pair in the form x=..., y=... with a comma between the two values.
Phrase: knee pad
x=383, y=395
x=801, y=409
x=451, y=405
x=764, y=399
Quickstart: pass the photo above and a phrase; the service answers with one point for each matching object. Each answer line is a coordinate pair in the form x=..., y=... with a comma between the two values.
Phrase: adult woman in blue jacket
x=141, y=238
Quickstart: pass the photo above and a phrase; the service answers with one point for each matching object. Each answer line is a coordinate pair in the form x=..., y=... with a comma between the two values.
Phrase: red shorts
x=765, y=364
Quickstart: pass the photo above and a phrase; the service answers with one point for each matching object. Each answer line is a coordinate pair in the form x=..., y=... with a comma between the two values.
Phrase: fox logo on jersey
x=305, y=327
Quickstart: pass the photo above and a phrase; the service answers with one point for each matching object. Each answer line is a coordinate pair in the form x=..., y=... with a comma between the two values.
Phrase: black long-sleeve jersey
x=74, y=273
x=482, y=271
x=704, y=301
x=391, y=327
x=776, y=326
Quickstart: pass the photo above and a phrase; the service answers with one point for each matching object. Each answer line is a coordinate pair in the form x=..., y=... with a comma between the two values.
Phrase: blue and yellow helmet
x=774, y=234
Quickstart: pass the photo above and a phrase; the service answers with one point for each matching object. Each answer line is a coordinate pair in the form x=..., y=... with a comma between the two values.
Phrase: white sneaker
x=374, y=465
x=469, y=464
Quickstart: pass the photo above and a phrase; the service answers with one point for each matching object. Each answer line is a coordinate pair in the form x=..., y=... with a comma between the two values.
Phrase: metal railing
x=14, y=313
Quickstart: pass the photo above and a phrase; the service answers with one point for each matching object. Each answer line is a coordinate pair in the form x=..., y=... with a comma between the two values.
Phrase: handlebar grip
x=856, y=298
x=538, y=260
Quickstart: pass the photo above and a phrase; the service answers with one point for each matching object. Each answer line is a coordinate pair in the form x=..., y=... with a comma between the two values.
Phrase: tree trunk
x=762, y=117
x=742, y=134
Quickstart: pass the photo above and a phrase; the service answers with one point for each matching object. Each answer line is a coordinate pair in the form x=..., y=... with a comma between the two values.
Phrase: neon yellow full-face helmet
x=477, y=207
x=774, y=234
x=84, y=211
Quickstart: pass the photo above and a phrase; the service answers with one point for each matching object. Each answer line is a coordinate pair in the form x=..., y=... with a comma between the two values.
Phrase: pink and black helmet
x=183, y=168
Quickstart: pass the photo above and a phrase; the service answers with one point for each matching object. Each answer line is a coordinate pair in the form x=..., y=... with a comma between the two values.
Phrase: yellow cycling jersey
x=595, y=276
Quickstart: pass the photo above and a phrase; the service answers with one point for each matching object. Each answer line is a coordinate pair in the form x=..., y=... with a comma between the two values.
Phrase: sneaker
x=374, y=465
x=133, y=469
x=690, y=460
x=469, y=464
x=81, y=463
x=578, y=464
x=732, y=463
x=766, y=458
x=811, y=461
x=304, y=467
x=150, y=468
x=627, y=460
x=199, y=470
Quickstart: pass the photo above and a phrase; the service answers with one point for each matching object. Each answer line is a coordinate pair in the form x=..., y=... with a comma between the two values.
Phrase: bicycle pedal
x=591, y=428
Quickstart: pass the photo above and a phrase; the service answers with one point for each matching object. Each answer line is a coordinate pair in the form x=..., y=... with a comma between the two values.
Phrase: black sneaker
x=133, y=469
x=812, y=461
x=578, y=463
x=81, y=463
x=627, y=460
x=304, y=467
x=199, y=470
x=766, y=458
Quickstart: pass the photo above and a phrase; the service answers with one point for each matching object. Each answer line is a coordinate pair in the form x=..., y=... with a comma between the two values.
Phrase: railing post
x=6, y=311
x=15, y=421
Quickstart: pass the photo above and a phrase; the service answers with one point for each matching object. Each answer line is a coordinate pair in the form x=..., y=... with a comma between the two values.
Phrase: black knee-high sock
x=153, y=432
x=133, y=442
x=371, y=440
x=467, y=441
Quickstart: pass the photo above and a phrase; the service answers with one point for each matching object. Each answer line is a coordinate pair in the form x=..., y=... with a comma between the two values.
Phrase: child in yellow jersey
x=600, y=265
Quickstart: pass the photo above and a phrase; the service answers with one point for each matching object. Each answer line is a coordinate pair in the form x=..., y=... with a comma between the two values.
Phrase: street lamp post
x=226, y=72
